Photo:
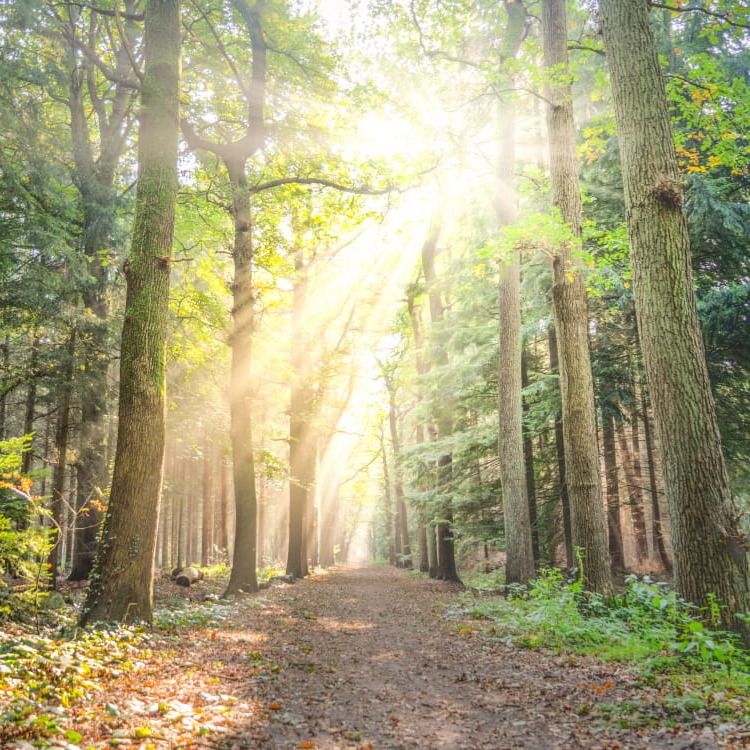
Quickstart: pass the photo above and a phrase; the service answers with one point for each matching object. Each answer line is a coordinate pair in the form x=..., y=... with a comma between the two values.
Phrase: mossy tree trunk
x=97, y=152
x=710, y=557
x=121, y=585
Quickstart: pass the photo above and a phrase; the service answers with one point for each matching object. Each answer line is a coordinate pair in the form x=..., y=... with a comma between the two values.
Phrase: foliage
x=647, y=622
x=38, y=674
x=24, y=542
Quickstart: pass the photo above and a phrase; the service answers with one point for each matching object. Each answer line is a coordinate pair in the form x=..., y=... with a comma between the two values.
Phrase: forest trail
x=354, y=658
x=370, y=658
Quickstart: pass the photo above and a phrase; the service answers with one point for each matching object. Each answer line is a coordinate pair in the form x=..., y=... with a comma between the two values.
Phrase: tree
x=108, y=87
x=121, y=587
x=710, y=558
x=301, y=444
x=444, y=530
x=234, y=153
x=519, y=551
x=588, y=522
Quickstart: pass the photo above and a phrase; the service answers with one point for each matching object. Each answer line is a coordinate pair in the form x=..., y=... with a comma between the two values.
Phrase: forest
x=436, y=306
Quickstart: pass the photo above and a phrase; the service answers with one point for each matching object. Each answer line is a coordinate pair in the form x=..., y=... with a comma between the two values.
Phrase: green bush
x=24, y=540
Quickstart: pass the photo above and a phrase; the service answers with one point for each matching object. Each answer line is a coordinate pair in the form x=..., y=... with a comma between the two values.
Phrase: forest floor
x=372, y=658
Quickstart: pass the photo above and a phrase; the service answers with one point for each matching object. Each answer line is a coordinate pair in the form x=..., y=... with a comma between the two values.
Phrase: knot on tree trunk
x=668, y=191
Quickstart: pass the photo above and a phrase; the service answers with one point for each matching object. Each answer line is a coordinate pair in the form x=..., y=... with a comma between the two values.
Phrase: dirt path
x=366, y=658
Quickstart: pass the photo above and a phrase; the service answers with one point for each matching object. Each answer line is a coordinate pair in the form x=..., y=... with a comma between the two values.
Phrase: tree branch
x=103, y=11
x=725, y=17
x=222, y=48
x=357, y=190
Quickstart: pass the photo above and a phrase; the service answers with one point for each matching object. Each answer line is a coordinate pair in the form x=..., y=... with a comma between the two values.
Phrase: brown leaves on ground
x=365, y=658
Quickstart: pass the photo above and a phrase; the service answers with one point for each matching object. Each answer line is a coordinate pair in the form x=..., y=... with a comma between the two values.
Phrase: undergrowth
x=40, y=677
x=663, y=638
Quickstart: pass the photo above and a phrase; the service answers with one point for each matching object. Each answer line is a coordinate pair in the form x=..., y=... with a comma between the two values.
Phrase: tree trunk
x=616, y=552
x=224, y=509
x=633, y=488
x=528, y=460
x=122, y=589
x=554, y=366
x=588, y=521
x=262, y=532
x=244, y=575
x=424, y=558
x=387, y=505
x=61, y=449
x=329, y=519
x=94, y=176
x=418, y=333
x=519, y=566
x=710, y=557
x=401, y=526
x=207, y=517
x=657, y=532
x=444, y=542
x=302, y=473
x=30, y=406
x=641, y=538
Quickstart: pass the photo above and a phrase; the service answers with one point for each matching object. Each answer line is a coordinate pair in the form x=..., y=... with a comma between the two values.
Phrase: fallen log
x=187, y=576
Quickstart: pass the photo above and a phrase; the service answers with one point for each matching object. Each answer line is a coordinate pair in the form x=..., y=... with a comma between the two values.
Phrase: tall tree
x=121, y=587
x=444, y=531
x=301, y=446
x=98, y=62
x=588, y=521
x=519, y=566
x=710, y=550
x=235, y=153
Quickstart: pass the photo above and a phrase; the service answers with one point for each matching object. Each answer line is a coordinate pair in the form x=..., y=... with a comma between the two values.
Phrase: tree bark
x=121, y=586
x=710, y=550
x=588, y=522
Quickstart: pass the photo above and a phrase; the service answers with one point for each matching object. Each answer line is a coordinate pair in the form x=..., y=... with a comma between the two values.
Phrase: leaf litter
x=356, y=658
